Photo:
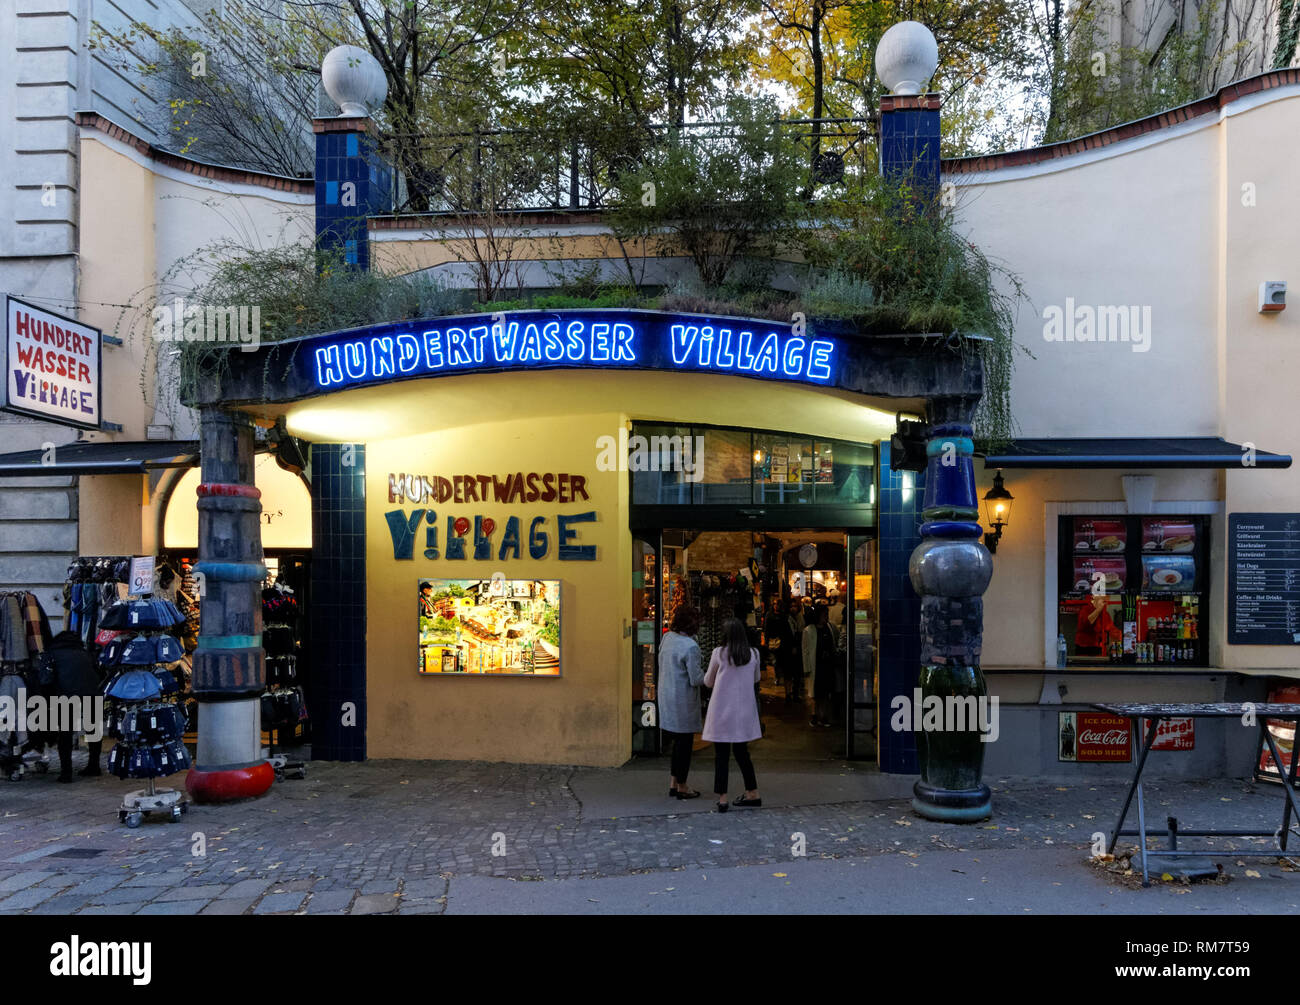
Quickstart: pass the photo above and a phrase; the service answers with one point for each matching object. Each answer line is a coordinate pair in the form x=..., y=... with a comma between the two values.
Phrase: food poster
x=1283, y=733
x=1174, y=537
x=1100, y=536
x=1112, y=572
x=509, y=627
x=825, y=464
x=794, y=474
x=1168, y=573
x=780, y=461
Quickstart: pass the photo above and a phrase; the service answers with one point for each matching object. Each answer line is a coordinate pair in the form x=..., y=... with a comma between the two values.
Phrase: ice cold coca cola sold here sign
x=1093, y=736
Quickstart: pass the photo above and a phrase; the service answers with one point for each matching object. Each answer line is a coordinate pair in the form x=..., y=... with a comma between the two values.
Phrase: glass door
x=646, y=629
x=860, y=624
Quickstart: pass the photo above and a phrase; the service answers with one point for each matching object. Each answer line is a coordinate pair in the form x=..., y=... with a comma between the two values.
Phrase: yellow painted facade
x=500, y=424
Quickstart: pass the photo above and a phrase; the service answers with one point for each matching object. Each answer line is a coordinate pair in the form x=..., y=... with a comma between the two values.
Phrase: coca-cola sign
x=1093, y=736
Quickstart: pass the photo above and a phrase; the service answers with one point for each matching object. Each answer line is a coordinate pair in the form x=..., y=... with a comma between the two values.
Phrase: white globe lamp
x=354, y=79
x=906, y=57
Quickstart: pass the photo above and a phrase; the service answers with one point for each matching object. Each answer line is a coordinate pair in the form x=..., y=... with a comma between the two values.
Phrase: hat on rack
x=134, y=685
x=146, y=650
x=147, y=613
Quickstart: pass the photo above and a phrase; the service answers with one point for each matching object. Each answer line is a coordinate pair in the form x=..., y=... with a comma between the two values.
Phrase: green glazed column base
x=953, y=806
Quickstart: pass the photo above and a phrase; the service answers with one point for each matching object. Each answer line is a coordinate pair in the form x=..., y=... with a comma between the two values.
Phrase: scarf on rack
x=37, y=626
x=13, y=632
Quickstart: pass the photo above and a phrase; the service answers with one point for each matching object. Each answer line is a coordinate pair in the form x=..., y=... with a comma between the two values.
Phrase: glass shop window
x=1133, y=591
x=663, y=462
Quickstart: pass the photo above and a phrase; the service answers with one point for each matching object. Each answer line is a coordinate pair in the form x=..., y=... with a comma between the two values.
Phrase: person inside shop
x=808, y=652
x=1095, y=629
x=795, y=614
x=781, y=645
x=835, y=616
x=824, y=664
x=681, y=672
x=732, y=719
x=66, y=670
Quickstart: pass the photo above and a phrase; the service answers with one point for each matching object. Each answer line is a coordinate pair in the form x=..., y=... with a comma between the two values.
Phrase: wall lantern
x=997, y=511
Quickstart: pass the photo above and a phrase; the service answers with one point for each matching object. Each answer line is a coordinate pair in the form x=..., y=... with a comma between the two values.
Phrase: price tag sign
x=142, y=574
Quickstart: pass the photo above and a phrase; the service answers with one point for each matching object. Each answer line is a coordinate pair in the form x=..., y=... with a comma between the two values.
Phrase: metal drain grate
x=76, y=853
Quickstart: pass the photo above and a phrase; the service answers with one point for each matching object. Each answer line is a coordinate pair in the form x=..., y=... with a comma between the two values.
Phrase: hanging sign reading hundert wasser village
x=52, y=366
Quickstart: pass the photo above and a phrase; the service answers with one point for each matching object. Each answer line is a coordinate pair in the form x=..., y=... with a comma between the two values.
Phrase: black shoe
x=672, y=793
x=722, y=807
x=743, y=801
x=691, y=794
x=90, y=771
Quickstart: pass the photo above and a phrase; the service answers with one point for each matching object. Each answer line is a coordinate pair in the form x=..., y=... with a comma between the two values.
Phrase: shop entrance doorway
x=777, y=583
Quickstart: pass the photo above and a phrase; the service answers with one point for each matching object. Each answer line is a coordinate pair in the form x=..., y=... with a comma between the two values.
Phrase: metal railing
x=515, y=170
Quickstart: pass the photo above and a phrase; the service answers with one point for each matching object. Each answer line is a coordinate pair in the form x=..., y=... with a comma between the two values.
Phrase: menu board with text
x=1264, y=579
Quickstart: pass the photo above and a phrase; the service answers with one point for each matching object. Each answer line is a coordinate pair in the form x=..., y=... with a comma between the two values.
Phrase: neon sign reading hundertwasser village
x=574, y=339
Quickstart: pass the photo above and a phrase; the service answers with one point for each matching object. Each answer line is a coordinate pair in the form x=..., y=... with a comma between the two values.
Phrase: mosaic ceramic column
x=229, y=665
x=951, y=569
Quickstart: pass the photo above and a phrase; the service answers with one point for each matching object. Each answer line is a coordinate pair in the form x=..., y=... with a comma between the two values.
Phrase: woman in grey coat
x=680, y=674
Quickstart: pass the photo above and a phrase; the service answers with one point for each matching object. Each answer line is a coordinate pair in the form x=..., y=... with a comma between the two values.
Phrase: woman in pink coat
x=732, y=720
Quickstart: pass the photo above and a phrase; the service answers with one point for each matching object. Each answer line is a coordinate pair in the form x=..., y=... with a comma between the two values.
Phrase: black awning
x=132, y=457
x=1132, y=452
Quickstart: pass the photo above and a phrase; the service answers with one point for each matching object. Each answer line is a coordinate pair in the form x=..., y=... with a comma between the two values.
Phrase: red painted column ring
x=228, y=784
x=229, y=489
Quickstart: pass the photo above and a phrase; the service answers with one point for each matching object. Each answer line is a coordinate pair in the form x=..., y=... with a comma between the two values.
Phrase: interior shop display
x=147, y=715
x=489, y=626
x=1133, y=590
x=719, y=596
x=283, y=706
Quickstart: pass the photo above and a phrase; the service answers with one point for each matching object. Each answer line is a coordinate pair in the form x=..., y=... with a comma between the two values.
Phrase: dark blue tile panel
x=354, y=159
x=900, y=608
x=338, y=600
x=909, y=146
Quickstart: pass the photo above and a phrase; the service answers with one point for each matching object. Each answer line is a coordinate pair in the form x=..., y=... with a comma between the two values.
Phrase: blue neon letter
x=767, y=355
x=354, y=359
x=551, y=335
x=819, y=360
x=381, y=356
x=408, y=353
x=456, y=347
x=623, y=350
x=793, y=360
x=530, y=346
x=503, y=341
x=328, y=368
x=683, y=339
x=433, y=350
x=577, y=345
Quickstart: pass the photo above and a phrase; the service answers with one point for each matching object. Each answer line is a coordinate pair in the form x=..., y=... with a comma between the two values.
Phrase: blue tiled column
x=352, y=183
x=909, y=141
x=900, y=607
x=338, y=601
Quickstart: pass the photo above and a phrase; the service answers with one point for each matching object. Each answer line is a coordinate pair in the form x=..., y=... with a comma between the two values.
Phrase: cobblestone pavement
x=389, y=836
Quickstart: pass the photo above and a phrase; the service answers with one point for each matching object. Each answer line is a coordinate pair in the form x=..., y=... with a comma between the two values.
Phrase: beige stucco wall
x=139, y=223
x=1161, y=224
